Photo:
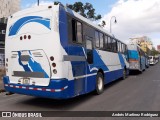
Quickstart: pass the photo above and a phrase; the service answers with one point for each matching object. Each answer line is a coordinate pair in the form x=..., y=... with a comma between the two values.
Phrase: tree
x=154, y=52
x=86, y=10
x=103, y=23
x=56, y=2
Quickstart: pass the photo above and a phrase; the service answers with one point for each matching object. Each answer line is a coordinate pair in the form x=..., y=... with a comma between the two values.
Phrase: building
x=158, y=48
x=8, y=7
x=144, y=42
x=2, y=34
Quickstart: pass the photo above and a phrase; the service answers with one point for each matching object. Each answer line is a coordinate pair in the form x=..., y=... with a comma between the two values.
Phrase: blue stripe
x=121, y=60
x=14, y=29
x=35, y=66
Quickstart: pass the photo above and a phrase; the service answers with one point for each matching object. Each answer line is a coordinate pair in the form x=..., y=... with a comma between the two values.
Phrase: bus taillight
x=21, y=38
x=25, y=36
x=29, y=37
x=55, y=71
x=51, y=58
x=54, y=64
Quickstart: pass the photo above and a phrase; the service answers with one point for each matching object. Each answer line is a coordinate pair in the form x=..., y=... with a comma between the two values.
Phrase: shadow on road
x=134, y=72
x=67, y=104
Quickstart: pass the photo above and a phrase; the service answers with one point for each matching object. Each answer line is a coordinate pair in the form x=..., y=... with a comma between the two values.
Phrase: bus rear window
x=133, y=54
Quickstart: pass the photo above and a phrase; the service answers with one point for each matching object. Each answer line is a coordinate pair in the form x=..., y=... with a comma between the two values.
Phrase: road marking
x=156, y=80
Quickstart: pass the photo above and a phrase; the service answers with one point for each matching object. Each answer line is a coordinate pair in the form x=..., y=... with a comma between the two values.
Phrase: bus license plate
x=26, y=81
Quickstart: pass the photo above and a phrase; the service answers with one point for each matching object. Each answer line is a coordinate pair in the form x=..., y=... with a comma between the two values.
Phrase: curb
x=2, y=90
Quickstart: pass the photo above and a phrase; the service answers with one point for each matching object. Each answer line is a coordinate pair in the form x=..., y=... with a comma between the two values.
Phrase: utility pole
x=115, y=21
x=38, y=2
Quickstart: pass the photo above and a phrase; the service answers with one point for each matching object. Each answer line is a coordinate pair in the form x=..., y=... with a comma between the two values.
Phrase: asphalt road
x=139, y=92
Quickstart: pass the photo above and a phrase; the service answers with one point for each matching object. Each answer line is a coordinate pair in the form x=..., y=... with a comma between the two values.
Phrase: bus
x=53, y=52
x=137, y=58
x=147, y=60
x=152, y=60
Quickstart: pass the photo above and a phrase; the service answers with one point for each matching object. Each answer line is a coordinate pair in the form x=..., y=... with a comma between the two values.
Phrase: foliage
x=86, y=10
x=154, y=52
x=56, y=2
x=103, y=23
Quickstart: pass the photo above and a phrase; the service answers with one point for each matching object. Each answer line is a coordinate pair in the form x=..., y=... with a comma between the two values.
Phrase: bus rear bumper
x=57, y=89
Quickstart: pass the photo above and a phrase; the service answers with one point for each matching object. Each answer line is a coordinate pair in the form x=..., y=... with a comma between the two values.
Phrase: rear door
x=30, y=67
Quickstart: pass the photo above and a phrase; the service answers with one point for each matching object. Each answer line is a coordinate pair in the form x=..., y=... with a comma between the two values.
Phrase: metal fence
x=2, y=60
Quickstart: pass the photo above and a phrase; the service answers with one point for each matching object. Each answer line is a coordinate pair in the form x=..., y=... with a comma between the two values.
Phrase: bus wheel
x=124, y=74
x=99, y=83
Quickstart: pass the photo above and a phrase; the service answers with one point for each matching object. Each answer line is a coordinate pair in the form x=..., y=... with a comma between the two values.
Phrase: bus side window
x=101, y=40
x=119, y=46
x=109, y=47
x=89, y=50
x=97, y=39
x=105, y=42
x=74, y=31
x=114, y=44
x=77, y=32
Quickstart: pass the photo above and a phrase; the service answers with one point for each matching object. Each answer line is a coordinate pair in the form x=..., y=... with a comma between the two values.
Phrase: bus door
x=89, y=50
x=89, y=57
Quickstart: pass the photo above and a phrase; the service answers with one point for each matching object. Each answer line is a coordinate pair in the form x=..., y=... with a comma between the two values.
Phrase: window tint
x=109, y=46
x=123, y=48
x=114, y=45
x=79, y=32
x=119, y=46
x=97, y=38
x=77, y=36
x=89, y=44
x=105, y=42
x=73, y=30
x=101, y=40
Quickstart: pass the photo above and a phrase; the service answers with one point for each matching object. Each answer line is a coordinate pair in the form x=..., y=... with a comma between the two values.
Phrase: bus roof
x=73, y=13
x=68, y=10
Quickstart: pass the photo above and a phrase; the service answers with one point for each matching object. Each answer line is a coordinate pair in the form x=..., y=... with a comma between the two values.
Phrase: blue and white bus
x=137, y=58
x=53, y=52
x=147, y=60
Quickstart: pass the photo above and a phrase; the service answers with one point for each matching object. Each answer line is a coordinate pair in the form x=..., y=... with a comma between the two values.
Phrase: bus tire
x=124, y=74
x=99, y=83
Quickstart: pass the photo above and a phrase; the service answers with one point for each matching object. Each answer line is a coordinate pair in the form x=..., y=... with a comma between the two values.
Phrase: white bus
x=152, y=60
x=53, y=52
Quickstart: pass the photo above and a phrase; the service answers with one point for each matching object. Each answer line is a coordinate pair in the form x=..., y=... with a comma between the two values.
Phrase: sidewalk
x=1, y=82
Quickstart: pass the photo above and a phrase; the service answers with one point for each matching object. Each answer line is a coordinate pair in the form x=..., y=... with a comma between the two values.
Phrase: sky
x=135, y=18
